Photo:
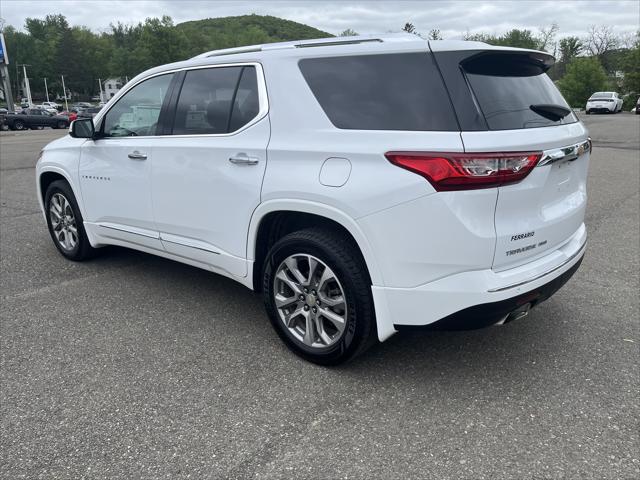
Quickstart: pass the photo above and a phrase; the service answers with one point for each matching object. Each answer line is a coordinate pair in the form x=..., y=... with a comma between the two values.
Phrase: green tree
x=585, y=76
x=348, y=33
x=409, y=28
x=434, y=34
x=517, y=38
x=568, y=49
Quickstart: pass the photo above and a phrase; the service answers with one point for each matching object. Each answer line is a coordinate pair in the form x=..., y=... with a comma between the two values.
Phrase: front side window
x=216, y=100
x=137, y=112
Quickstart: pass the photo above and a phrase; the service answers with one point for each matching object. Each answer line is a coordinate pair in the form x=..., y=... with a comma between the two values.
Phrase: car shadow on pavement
x=493, y=351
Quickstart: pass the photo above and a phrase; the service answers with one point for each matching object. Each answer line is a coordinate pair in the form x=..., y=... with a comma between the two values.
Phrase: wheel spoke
x=310, y=329
x=289, y=319
x=55, y=215
x=326, y=339
x=282, y=301
x=291, y=284
x=292, y=265
x=67, y=243
x=73, y=239
x=327, y=275
x=313, y=265
x=55, y=201
x=331, y=302
x=333, y=317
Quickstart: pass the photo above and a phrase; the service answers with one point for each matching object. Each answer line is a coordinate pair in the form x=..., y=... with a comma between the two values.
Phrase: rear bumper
x=601, y=109
x=477, y=298
x=487, y=314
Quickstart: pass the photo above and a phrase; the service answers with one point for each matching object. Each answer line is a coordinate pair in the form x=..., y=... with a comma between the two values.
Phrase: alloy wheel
x=310, y=300
x=63, y=222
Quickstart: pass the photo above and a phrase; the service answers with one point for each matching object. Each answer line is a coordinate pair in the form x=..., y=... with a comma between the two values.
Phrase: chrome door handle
x=243, y=159
x=136, y=155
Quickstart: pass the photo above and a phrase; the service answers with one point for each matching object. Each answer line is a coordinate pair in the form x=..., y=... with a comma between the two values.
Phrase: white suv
x=362, y=185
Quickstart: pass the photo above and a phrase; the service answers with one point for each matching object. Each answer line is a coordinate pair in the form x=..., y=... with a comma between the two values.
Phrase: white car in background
x=50, y=106
x=604, y=102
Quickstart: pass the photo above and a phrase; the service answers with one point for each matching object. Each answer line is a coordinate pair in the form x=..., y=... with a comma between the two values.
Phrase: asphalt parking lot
x=131, y=366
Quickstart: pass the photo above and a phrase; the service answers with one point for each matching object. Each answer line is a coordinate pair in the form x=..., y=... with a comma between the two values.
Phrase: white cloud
x=453, y=18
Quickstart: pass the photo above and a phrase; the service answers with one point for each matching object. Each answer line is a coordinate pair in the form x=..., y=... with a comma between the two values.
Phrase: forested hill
x=51, y=47
x=213, y=33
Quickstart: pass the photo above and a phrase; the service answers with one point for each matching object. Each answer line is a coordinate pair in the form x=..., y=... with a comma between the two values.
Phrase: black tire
x=62, y=125
x=18, y=125
x=588, y=112
x=83, y=249
x=345, y=260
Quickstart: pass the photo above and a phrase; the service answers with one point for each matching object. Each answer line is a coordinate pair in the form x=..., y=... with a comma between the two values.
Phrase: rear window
x=381, y=92
x=602, y=95
x=506, y=86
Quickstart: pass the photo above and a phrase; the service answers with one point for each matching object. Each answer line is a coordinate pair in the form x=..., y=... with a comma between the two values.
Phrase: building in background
x=110, y=87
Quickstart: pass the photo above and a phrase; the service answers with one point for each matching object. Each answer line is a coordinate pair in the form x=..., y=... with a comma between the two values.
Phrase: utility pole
x=100, y=87
x=64, y=90
x=27, y=87
x=46, y=89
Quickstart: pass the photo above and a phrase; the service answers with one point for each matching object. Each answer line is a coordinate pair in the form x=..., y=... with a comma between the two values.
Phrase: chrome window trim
x=263, y=101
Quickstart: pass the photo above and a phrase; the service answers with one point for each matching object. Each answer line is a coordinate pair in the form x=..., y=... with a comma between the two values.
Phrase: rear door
x=518, y=100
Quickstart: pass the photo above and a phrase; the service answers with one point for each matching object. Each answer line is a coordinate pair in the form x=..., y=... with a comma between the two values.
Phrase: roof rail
x=230, y=51
x=320, y=42
x=327, y=43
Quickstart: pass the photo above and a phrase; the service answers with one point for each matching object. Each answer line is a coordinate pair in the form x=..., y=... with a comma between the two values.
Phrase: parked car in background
x=89, y=112
x=72, y=115
x=360, y=196
x=604, y=102
x=35, y=118
x=52, y=105
x=46, y=108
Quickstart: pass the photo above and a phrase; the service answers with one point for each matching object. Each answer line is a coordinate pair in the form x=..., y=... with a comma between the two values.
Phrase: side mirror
x=82, y=128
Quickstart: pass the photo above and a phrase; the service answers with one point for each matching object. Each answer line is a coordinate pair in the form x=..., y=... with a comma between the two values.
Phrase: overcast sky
x=453, y=18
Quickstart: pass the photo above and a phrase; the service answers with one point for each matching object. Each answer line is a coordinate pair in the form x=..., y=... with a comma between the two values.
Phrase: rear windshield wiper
x=551, y=111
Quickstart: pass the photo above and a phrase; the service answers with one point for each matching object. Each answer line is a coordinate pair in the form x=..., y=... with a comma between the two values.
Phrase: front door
x=115, y=169
x=207, y=172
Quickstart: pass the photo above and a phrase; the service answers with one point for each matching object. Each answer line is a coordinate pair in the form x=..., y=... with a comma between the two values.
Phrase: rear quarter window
x=381, y=92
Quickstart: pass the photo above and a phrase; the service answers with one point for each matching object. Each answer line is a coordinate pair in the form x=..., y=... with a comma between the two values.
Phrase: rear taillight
x=467, y=171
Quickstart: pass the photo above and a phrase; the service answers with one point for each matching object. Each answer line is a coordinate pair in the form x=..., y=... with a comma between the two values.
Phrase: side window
x=137, y=112
x=216, y=100
x=400, y=91
x=246, y=104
